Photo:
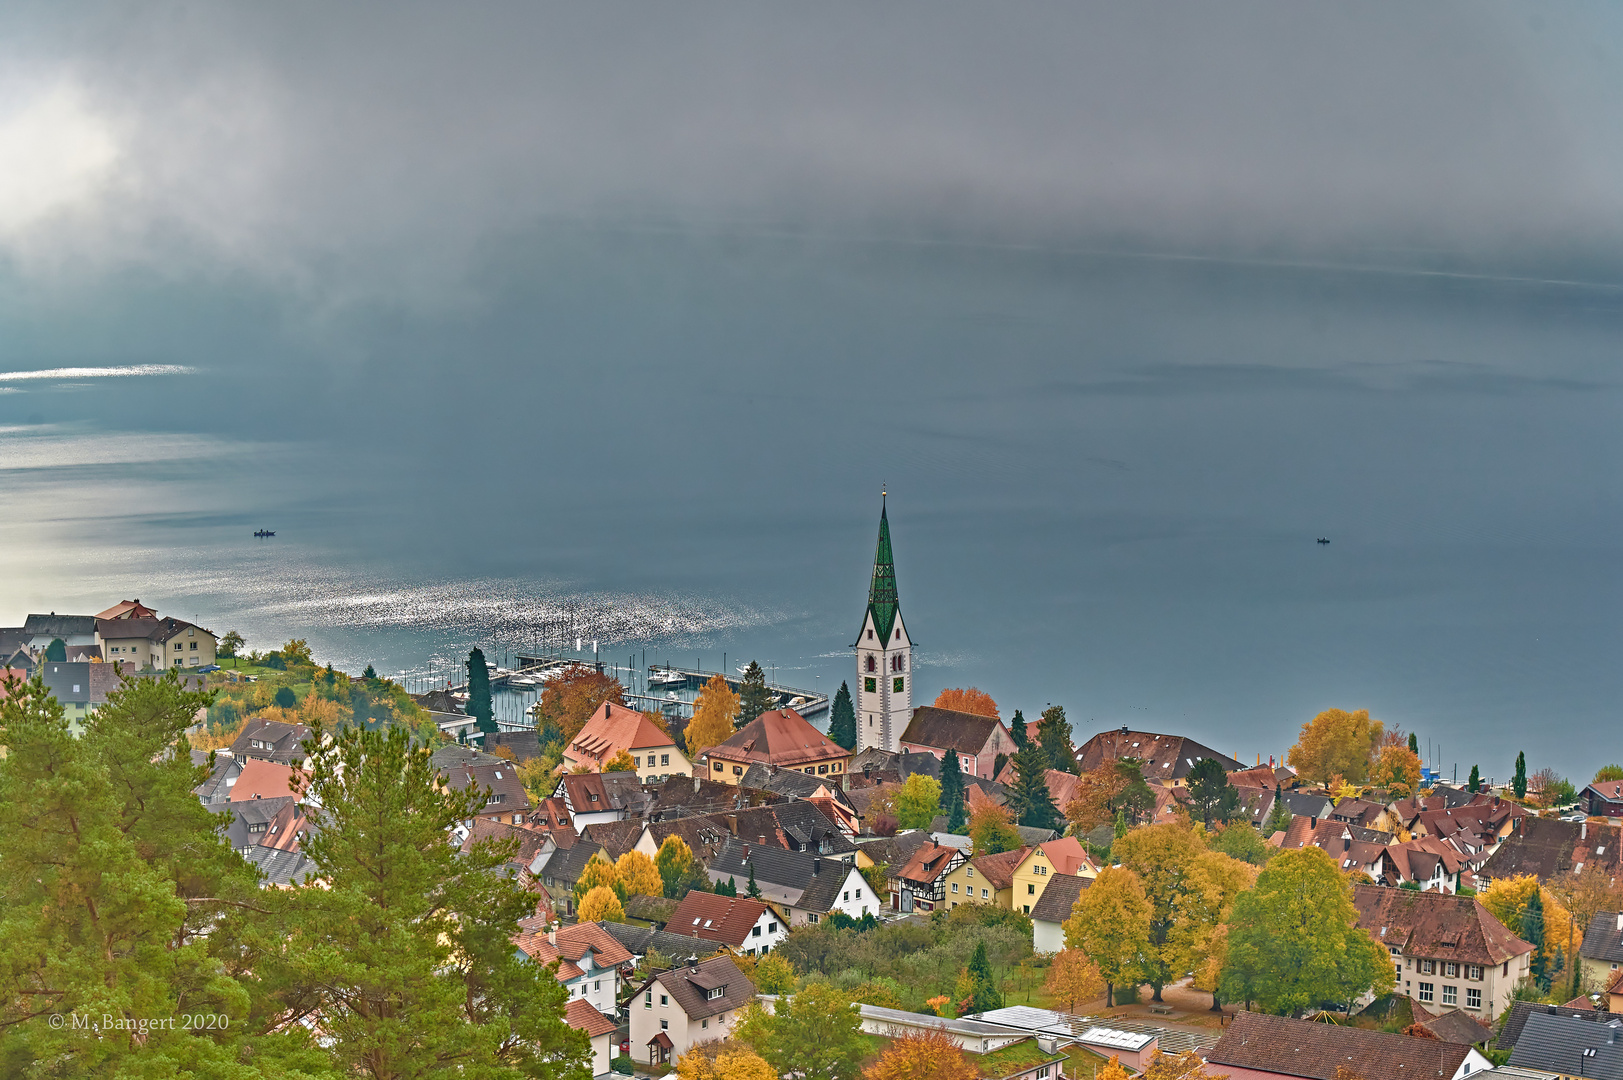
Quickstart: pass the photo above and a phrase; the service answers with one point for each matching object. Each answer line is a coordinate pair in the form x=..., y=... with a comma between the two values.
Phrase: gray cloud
x=330, y=147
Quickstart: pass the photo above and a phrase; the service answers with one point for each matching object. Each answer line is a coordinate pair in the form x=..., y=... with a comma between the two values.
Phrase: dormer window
x=714, y=992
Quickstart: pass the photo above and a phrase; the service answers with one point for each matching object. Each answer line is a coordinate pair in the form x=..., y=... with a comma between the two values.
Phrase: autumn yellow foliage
x=1073, y=978
x=923, y=1055
x=713, y=713
x=969, y=700
x=730, y=1063
x=621, y=762
x=1337, y=743
x=639, y=875
x=601, y=905
x=1507, y=898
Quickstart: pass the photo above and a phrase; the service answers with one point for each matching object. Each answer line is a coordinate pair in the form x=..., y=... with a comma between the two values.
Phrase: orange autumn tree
x=1095, y=789
x=1185, y=1066
x=1337, y=743
x=923, y=1055
x=968, y=700
x=1073, y=978
x=570, y=699
x=1397, y=770
x=714, y=712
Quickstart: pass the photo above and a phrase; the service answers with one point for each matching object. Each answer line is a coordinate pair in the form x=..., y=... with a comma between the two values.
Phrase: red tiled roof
x=1067, y=854
x=928, y=863
x=1277, y=1044
x=946, y=729
x=1435, y=925
x=265, y=780
x=998, y=870
x=725, y=919
x=778, y=737
x=580, y=1015
x=614, y=728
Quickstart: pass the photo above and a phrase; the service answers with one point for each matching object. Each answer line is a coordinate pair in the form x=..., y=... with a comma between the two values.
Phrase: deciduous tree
x=1397, y=772
x=638, y=874
x=923, y=1055
x=1162, y=855
x=816, y=1033
x=710, y=1062
x=1133, y=797
x=598, y=872
x=919, y=801
x=842, y=724
x=621, y=762
x=1188, y=1065
x=1113, y=1070
x=679, y=871
x=754, y=697
x=970, y=700
x=1510, y=899
x=1294, y=940
x=600, y=905
x=230, y=643
x=714, y=711
x=991, y=831
x=1608, y=772
x=1241, y=841
x=1336, y=743
x=573, y=695
x=1096, y=789
x=774, y=975
x=1073, y=978
x=1110, y=924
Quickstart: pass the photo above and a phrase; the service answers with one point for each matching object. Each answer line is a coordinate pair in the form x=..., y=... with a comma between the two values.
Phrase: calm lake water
x=1107, y=475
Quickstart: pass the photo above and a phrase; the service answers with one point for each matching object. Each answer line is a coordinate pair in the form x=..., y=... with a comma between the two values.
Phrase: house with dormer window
x=589, y=960
x=921, y=884
x=695, y=1002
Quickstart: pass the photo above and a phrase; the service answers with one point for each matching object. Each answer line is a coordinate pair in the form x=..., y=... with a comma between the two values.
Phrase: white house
x=599, y=1029
x=693, y=1003
x=589, y=960
x=804, y=888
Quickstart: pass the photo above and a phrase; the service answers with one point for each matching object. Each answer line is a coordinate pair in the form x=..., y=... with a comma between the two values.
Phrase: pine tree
x=1029, y=798
x=729, y=889
x=1054, y=731
x=57, y=651
x=369, y=673
x=1279, y=818
x=754, y=697
x=952, y=792
x=479, y=706
x=1519, y=784
x=986, y=995
x=1475, y=782
x=1017, y=728
x=1414, y=743
x=754, y=890
x=842, y=725
x=1532, y=932
x=404, y=958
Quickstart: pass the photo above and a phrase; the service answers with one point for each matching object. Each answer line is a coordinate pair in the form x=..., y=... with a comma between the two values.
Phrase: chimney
x=732, y=824
x=1583, y=831
x=817, y=867
x=1620, y=922
x=695, y=785
x=745, y=856
x=761, y=840
x=552, y=935
x=693, y=962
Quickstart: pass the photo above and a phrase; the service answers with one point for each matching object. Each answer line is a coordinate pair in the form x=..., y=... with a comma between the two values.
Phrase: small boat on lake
x=262, y=533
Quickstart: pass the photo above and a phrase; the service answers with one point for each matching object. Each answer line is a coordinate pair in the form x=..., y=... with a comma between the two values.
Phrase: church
x=884, y=656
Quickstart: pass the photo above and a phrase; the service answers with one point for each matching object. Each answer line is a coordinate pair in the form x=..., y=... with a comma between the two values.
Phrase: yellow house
x=1041, y=863
x=614, y=728
x=986, y=880
x=155, y=643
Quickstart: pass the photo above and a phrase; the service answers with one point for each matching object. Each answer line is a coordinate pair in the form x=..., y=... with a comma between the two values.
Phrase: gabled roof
x=1435, y=925
x=929, y=862
x=1510, y=1032
x=895, y=850
x=1059, y=897
x=640, y=939
x=689, y=987
x=271, y=740
x=799, y=826
x=1315, y=1051
x=506, y=794
x=580, y=1015
x=570, y=945
x=281, y=867
x=146, y=629
x=567, y=864
x=1603, y=938
x=265, y=780
x=617, y=837
x=613, y=728
x=652, y=909
x=946, y=729
x=726, y=919
x=1609, y=790
x=882, y=602
x=809, y=882
x=530, y=841
x=1571, y=1046
x=593, y=793
x=1165, y=757
x=128, y=609
x=702, y=835
x=59, y=626
x=682, y=796
x=998, y=870
x=1067, y=855
x=1456, y=1026
x=1548, y=847
x=777, y=737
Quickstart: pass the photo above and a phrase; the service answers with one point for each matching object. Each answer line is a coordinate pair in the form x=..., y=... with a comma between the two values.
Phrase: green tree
x=479, y=706
x=1532, y=932
x=1214, y=799
x=1054, y=732
x=285, y=698
x=1135, y=796
x=754, y=697
x=952, y=791
x=842, y=724
x=1519, y=783
x=1110, y=924
x=1241, y=841
x=773, y=975
x=1475, y=781
x=918, y=802
x=1294, y=941
x=1279, y=817
x=1162, y=855
x=991, y=831
x=1414, y=743
x=103, y=908
x=1029, y=798
x=230, y=644
x=815, y=1034
x=57, y=651
x=728, y=887
x=986, y=996
x=753, y=891
x=1017, y=728
x=369, y=674
x=404, y=957
x=677, y=866
x=1608, y=772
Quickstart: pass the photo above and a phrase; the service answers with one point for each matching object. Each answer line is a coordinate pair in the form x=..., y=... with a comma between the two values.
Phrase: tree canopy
x=1110, y=925
x=573, y=695
x=969, y=700
x=1213, y=799
x=1054, y=732
x=926, y=1055
x=754, y=697
x=1397, y=772
x=714, y=713
x=952, y=792
x=816, y=1033
x=991, y=831
x=638, y=874
x=1337, y=743
x=479, y=704
x=1293, y=941
x=842, y=724
x=1029, y=797
x=919, y=801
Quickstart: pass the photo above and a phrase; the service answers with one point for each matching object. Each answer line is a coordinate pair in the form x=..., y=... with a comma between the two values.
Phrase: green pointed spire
x=882, y=593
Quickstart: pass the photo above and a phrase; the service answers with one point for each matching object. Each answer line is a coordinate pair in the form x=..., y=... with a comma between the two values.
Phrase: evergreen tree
x=1017, y=728
x=842, y=725
x=754, y=890
x=1054, y=731
x=1279, y=818
x=754, y=698
x=952, y=791
x=369, y=673
x=1214, y=798
x=986, y=995
x=1475, y=782
x=1029, y=798
x=1532, y=932
x=479, y=706
x=285, y=698
x=1121, y=824
x=404, y=958
x=729, y=889
x=57, y=651
x=1414, y=743
x=1519, y=784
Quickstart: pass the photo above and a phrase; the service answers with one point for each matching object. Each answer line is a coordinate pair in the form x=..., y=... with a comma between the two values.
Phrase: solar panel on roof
x=1121, y=1040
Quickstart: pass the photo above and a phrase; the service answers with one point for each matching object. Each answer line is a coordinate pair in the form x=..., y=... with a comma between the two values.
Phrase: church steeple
x=882, y=592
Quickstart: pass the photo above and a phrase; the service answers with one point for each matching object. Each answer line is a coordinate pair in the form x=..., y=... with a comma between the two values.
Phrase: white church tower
x=884, y=656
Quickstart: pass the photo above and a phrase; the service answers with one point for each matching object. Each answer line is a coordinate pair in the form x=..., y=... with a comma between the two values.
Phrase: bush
x=285, y=698
x=623, y=1064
